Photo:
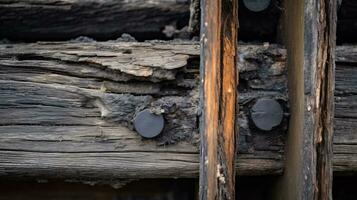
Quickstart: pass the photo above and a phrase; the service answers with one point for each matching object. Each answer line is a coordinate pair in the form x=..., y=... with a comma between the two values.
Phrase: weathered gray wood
x=46, y=119
x=63, y=19
x=345, y=139
x=68, y=107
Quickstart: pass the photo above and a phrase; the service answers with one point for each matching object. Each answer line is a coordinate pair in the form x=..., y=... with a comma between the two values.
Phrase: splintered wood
x=218, y=98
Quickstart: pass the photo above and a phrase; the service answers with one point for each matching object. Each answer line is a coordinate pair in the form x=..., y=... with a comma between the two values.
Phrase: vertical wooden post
x=323, y=98
x=218, y=70
x=310, y=41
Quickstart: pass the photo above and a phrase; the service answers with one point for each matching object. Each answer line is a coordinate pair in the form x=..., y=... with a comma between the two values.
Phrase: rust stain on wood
x=218, y=99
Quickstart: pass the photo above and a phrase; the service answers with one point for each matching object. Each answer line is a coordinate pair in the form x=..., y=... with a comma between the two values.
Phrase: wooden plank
x=345, y=138
x=323, y=99
x=69, y=106
x=311, y=30
x=68, y=128
x=102, y=20
x=218, y=99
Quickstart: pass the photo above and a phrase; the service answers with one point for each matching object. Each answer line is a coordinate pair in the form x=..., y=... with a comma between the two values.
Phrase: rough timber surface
x=65, y=19
x=66, y=109
x=60, y=109
x=345, y=139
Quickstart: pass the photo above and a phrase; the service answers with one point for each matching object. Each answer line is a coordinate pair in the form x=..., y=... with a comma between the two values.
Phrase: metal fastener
x=147, y=124
x=266, y=114
x=256, y=5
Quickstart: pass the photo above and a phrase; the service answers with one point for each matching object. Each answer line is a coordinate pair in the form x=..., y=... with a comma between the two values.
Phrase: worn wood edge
x=323, y=105
x=218, y=99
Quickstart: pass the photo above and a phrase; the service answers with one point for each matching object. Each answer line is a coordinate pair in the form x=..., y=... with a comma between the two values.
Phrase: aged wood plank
x=47, y=107
x=66, y=106
x=345, y=138
x=325, y=98
x=102, y=20
x=311, y=30
x=218, y=99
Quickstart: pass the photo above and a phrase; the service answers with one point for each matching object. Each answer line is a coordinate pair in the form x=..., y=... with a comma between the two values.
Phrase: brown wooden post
x=323, y=98
x=218, y=98
x=310, y=41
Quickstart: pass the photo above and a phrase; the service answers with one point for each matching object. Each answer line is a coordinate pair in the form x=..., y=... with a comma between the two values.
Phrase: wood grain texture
x=310, y=40
x=62, y=19
x=323, y=97
x=48, y=125
x=345, y=138
x=218, y=99
x=67, y=107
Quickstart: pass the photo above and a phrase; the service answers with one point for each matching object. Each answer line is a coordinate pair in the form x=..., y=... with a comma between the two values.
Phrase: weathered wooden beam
x=69, y=106
x=218, y=99
x=102, y=20
x=345, y=135
x=49, y=121
x=311, y=30
x=323, y=80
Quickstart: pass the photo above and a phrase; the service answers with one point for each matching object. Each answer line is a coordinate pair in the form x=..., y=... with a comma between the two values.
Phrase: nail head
x=256, y=5
x=147, y=124
x=266, y=114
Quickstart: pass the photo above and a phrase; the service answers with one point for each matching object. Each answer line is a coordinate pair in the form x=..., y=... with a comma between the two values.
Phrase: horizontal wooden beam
x=52, y=116
x=69, y=106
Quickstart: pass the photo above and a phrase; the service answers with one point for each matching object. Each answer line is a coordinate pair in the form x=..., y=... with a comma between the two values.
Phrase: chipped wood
x=69, y=106
x=323, y=98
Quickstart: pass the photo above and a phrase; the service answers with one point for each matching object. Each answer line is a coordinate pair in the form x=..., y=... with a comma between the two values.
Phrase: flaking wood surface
x=102, y=20
x=52, y=127
x=66, y=109
x=323, y=88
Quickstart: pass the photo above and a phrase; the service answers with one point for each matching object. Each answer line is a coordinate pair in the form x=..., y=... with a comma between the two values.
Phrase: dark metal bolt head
x=147, y=124
x=256, y=5
x=266, y=114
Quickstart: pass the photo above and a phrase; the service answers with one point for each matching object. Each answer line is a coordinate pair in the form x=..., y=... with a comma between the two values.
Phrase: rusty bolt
x=147, y=124
x=256, y=5
x=266, y=114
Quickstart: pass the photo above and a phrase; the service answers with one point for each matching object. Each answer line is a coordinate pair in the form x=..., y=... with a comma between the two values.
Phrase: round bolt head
x=266, y=114
x=256, y=5
x=148, y=125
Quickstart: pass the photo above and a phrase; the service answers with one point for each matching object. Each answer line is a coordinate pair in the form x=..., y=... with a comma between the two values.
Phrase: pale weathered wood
x=68, y=107
x=102, y=20
x=46, y=121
